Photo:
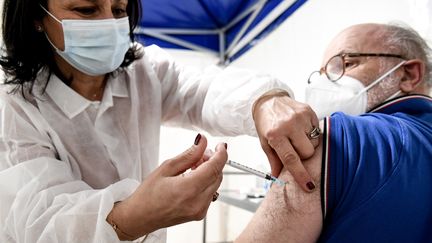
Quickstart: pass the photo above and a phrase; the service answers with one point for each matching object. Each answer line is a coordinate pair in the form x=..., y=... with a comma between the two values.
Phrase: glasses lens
x=335, y=68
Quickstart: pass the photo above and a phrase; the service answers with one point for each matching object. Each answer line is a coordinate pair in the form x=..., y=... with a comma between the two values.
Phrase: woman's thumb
x=187, y=159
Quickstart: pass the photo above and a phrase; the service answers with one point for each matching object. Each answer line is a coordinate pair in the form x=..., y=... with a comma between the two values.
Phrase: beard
x=385, y=88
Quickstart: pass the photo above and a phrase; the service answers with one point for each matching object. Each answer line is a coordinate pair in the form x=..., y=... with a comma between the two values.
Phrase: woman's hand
x=284, y=128
x=168, y=197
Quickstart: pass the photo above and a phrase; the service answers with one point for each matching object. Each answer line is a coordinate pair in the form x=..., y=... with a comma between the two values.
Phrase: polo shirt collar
x=411, y=104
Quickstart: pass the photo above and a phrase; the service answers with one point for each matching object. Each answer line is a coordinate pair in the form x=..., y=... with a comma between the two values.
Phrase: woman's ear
x=414, y=71
x=38, y=26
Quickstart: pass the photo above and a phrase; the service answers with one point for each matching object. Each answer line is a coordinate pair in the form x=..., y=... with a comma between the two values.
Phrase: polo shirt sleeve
x=360, y=153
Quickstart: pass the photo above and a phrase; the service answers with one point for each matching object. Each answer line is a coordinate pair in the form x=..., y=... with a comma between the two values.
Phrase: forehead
x=358, y=39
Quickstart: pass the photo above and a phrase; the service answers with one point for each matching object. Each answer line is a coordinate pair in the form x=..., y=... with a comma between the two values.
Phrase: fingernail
x=197, y=139
x=226, y=145
x=310, y=185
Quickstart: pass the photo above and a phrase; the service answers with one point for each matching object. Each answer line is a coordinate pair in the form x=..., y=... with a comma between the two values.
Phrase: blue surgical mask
x=94, y=47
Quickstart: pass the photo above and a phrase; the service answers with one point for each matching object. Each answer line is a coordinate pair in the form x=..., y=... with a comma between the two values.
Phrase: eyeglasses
x=335, y=67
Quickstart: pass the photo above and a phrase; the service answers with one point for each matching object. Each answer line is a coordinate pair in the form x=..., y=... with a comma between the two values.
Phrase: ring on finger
x=215, y=196
x=314, y=133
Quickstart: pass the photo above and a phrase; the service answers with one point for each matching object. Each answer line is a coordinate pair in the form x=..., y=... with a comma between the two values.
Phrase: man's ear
x=414, y=71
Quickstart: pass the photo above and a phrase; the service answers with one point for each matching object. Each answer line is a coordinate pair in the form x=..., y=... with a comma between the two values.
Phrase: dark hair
x=26, y=51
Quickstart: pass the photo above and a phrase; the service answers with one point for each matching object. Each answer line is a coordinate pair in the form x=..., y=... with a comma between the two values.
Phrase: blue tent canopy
x=227, y=28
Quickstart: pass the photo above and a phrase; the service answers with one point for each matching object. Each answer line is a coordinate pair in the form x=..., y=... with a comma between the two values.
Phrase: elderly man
x=375, y=169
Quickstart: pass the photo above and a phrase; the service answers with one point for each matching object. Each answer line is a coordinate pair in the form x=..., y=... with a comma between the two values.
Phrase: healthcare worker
x=81, y=111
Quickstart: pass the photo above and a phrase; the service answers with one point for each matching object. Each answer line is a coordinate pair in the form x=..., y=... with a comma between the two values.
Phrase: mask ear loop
x=50, y=14
x=400, y=92
x=382, y=77
x=394, y=95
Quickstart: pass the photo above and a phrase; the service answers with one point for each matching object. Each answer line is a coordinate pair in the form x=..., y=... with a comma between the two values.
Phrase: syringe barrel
x=247, y=169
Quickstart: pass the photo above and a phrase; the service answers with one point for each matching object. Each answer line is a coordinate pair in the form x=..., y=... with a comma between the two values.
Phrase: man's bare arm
x=288, y=214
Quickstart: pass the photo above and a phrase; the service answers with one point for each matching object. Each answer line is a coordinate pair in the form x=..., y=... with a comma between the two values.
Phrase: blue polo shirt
x=377, y=174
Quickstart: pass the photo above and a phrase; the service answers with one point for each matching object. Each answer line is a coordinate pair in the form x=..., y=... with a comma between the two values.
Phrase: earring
x=39, y=28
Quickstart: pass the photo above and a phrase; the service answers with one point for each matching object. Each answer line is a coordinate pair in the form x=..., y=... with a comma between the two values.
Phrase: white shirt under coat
x=65, y=160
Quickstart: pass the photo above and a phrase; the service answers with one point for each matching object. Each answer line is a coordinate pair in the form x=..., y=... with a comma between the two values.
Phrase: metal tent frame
x=243, y=37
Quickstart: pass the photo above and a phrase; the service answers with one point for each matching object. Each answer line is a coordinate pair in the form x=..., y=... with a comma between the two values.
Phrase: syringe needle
x=255, y=172
x=278, y=181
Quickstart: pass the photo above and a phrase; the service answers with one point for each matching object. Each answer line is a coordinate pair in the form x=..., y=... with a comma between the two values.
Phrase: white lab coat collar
x=72, y=103
x=118, y=86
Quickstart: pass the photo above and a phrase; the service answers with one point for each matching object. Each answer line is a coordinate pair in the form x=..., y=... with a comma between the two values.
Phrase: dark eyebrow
x=96, y=1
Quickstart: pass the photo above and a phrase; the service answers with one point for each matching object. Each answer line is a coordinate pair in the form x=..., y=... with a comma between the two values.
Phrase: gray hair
x=410, y=44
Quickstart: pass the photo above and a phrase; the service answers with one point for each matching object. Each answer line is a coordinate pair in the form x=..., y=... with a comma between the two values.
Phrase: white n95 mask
x=347, y=94
x=94, y=47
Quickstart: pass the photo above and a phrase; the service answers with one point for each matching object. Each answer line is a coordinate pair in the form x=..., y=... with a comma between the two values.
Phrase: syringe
x=245, y=168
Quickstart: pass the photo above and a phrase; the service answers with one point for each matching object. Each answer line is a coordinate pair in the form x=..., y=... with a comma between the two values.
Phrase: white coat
x=65, y=160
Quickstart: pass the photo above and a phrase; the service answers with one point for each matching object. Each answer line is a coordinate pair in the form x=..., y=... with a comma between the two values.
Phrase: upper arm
x=183, y=88
x=21, y=140
x=288, y=214
x=210, y=98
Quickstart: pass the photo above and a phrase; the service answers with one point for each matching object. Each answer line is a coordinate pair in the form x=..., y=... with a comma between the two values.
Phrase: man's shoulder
x=369, y=165
x=392, y=121
x=375, y=126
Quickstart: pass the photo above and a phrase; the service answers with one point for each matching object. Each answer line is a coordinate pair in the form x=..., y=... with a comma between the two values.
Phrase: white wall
x=291, y=53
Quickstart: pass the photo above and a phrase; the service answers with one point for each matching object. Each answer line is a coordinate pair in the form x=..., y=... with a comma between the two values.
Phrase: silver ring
x=215, y=196
x=315, y=133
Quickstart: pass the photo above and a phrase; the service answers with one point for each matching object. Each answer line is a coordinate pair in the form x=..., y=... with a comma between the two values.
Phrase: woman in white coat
x=81, y=111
